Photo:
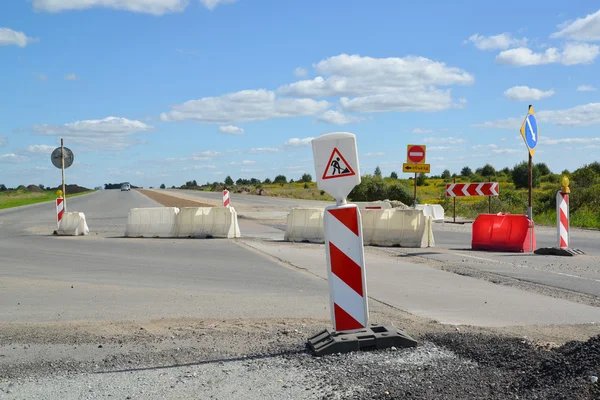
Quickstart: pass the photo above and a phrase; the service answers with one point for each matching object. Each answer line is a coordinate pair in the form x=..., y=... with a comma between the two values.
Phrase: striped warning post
x=60, y=210
x=225, y=198
x=562, y=219
x=346, y=267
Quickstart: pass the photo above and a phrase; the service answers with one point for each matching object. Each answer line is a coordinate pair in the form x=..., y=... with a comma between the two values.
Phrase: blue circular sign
x=531, y=131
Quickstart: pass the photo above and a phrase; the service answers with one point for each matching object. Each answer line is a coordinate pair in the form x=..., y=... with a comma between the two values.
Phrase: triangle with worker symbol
x=337, y=167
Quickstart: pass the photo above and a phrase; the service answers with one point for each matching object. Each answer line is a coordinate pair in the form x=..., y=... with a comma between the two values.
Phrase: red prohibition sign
x=416, y=154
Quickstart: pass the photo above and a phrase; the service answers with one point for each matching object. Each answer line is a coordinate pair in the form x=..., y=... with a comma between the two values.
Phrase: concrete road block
x=434, y=211
x=405, y=228
x=73, y=224
x=152, y=222
x=305, y=225
x=201, y=222
x=373, y=205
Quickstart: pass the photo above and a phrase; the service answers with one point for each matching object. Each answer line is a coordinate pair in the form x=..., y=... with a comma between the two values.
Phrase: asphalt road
x=107, y=276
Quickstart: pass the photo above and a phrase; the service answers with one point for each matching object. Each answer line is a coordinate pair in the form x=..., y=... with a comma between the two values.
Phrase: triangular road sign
x=337, y=167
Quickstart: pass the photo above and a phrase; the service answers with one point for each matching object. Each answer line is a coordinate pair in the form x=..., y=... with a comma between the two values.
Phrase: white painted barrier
x=404, y=228
x=391, y=227
x=73, y=224
x=305, y=225
x=373, y=205
x=434, y=211
x=218, y=222
x=152, y=222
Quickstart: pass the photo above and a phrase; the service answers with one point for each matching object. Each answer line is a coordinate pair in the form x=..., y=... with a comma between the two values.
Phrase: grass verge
x=18, y=198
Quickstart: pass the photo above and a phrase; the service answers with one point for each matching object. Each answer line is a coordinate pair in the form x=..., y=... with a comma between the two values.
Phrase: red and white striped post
x=225, y=198
x=60, y=210
x=562, y=214
x=346, y=267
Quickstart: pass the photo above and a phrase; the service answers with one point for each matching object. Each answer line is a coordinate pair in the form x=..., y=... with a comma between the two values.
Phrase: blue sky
x=166, y=91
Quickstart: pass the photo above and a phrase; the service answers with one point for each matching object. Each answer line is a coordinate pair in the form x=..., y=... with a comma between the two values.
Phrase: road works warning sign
x=336, y=163
x=337, y=166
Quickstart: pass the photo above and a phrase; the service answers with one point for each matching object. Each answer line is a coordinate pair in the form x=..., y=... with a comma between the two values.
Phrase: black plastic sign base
x=557, y=251
x=375, y=337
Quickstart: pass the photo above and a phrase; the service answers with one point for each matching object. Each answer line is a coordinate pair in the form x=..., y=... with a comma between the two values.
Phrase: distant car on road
x=125, y=187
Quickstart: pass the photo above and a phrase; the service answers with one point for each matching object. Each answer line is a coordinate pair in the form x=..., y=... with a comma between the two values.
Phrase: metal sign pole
x=530, y=208
x=62, y=152
x=455, y=203
x=415, y=193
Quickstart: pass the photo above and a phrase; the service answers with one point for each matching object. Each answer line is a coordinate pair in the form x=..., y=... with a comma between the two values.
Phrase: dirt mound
x=71, y=189
x=34, y=188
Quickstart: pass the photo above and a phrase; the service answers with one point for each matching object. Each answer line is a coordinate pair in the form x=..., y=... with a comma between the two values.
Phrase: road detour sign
x=336, y=163
x=415, y=154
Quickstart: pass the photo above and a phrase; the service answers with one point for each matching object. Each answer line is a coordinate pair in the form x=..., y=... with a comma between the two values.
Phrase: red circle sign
x=416, y=154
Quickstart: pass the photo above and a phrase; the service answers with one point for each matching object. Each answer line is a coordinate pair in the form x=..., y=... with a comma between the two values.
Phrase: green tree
x=421, y=179
x=377, y=172
x=488, y=170
x=280, y=179
x=520, y=175
x=543, y=168
x=229, y=181
x=162, y=186
x=586, y=176
x=306, y=178
x=2, y=187
x=267, y=181
x=466, y=171
x=394, y=175
x=446, y=174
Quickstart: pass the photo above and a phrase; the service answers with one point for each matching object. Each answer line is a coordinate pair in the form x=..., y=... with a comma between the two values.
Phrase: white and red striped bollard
x=60, y=210
x=346, y=267
x=562, y=219
x=225, y=198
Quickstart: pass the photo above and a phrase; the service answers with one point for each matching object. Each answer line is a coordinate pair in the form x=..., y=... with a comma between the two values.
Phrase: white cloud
x=243, y=106
x=207, y=154
x=40, y=77
x=248, y=170
x=263, y=150
x=374, y=155
x=337, y=118
x=419, y=131
x=71, y=77
x=484, y=146
x=502, y=41
x=582, y=115
x=211, y=4
x=295, y=142
x=8, y=37
x=439, y=148
x=300, y=72
x=12, y=158
x=554, y=142
x=155, y=7
x=248, y=162
x=3, y=140
x=448, y=140
x=40, y=149
x=506, y=151
x=585, y=29
x=522, y=93
x=572, y=54
x=382, y=84
x=111, y=133
x=586, y=88
x=231, y=130
x=199, y=167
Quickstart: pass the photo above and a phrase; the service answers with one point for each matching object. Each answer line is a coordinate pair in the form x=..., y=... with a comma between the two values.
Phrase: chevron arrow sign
x=472, y=189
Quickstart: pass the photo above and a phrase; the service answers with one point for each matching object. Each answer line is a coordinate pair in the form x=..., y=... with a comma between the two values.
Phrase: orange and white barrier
x=225, y=198
x=346, y=267
x=562, y=219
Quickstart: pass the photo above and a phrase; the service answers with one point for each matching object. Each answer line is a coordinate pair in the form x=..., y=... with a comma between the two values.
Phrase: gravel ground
x=172, y=201
x=274, y=364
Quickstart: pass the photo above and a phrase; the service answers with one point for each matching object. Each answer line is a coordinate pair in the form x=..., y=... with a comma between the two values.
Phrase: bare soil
x=172, y=201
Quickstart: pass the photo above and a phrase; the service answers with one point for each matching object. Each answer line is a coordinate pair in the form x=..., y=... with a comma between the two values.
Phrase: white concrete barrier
x=434, y=211
x=395, y=227
x=305, y=225
x=373, y=205
x=73, y=224
x=152, y=222
x=218, y=222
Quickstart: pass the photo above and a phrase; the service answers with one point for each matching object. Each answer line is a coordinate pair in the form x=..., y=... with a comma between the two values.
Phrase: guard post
x=337, y=170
